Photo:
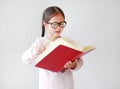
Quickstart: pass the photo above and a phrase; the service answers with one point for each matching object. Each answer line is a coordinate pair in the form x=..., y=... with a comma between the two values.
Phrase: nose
x=58, y=28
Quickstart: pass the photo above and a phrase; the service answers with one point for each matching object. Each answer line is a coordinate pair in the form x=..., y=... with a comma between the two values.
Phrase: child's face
x=55, y=25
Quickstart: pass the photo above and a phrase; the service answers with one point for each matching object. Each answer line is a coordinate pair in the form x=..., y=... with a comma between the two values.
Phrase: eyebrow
x=56, y=22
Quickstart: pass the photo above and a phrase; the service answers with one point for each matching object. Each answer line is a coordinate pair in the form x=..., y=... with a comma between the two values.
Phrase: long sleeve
x=30, y=55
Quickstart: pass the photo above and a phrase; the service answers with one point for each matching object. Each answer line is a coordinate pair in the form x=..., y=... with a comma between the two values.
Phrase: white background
x=89, y=22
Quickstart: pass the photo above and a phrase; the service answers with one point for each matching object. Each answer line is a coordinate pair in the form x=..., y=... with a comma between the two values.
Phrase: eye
x=62, y=24
x=54, y=24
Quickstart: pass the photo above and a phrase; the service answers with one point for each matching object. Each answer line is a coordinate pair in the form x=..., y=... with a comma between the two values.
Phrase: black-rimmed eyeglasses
x=54, y=25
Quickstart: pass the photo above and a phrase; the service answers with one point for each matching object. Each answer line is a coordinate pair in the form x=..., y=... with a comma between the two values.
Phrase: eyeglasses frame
x=58, y=24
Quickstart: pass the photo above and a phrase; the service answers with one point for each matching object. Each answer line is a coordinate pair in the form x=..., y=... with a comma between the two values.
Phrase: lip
x=58, y=31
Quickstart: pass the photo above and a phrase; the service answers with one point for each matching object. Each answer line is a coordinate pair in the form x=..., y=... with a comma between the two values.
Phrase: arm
x=33, y=52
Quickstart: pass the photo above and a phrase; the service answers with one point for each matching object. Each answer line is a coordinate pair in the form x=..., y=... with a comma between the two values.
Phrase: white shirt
x=49, y=79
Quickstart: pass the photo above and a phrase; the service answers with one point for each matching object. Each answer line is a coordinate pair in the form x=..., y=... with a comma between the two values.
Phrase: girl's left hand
x=71, y=65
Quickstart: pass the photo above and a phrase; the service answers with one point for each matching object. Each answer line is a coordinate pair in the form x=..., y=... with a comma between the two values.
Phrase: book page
x=88, y=49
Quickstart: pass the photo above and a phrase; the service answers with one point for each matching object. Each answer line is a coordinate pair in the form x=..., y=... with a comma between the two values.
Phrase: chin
x=57, y=34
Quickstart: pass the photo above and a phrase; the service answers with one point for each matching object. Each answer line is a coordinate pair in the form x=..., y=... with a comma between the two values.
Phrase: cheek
x=62, y=29
x=47, y=26
x=50, y=30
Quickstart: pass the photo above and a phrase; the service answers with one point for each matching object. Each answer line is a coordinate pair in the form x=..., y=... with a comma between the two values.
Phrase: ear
x=45, y=24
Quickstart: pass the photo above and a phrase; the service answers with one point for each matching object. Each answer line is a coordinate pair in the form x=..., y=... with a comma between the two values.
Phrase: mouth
x=58, y=32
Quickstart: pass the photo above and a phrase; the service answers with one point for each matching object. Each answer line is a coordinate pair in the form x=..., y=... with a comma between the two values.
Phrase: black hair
x=48, y=14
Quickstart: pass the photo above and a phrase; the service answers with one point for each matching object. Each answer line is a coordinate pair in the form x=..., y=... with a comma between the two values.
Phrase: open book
x=59, y=52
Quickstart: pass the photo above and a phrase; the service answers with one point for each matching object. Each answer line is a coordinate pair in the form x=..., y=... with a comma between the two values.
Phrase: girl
x=53, y=22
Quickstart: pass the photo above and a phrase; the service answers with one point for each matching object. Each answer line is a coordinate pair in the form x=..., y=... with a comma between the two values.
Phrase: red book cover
x=56, y=60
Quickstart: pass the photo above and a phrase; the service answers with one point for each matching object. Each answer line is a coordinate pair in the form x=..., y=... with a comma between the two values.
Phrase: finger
x=69, y=63
x=75, y=62
x=42, y=48
x=66, y=65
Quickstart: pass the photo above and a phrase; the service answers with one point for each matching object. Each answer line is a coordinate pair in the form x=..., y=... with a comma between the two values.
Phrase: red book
x=57, y=57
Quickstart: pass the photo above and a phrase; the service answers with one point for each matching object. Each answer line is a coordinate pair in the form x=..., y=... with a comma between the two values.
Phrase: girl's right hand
x=39, y=49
